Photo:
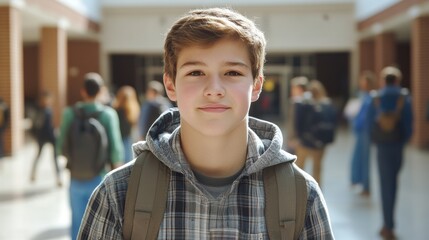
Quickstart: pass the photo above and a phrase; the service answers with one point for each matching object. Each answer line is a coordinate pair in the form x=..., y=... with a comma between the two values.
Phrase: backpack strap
x=143, y=214
x=285, y=201
x=82, y=114
x=399, y=103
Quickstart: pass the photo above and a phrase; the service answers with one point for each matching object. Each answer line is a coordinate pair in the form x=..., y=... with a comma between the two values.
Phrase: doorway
x=273, y=101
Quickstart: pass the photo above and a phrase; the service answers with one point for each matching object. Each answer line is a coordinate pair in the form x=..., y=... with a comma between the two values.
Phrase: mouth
x=215, y=108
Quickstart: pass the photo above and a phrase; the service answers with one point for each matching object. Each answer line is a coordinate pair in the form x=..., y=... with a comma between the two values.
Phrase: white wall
x=286, y=28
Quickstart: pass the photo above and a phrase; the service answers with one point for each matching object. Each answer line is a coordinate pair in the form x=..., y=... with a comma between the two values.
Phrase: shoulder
x=374, y=93
x=115, y=184
x=314, y=193
x=405, y=93
x=312, y=186
x=68, y=112
x=107, y=112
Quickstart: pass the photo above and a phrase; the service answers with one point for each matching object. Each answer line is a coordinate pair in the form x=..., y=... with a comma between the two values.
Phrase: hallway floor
x=40, y=210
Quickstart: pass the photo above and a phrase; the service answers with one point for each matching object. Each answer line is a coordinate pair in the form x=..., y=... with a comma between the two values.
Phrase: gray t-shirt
x=216, y=186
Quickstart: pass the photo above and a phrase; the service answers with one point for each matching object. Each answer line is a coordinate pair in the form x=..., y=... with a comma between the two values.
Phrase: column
x=53, y=65
x=420, y=79
x=385, y=53
x=366, y=53
x=11, y=82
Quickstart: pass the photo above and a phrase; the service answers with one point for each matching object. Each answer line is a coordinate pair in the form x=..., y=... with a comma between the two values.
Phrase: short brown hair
x=206, y=26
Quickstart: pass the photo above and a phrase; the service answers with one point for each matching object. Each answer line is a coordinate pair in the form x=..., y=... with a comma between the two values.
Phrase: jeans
x=389, y=158
x=128, y=152
x=80, y=192
x=360, y=160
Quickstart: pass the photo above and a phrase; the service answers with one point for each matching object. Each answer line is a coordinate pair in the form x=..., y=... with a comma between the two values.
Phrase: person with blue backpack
x=91, y=141
x=315, y=125
x=391, y=118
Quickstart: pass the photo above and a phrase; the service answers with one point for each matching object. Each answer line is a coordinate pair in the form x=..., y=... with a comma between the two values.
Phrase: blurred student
x=155, y=103
x=90, y=138
x=128, y=109
x=43, y=131
x=360, y=164
x=391, y=117
x=315, y=123
x=298, y=88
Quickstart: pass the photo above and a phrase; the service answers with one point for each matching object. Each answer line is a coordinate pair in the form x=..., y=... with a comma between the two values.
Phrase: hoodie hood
x=163, y=140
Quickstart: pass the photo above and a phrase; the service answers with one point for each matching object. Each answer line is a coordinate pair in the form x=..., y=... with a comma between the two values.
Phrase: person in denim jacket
x=361, y=154
x=390, y=154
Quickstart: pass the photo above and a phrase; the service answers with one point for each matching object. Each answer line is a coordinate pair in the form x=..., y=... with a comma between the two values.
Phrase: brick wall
x=11, y=83
x=83, y=57
x=31, y=71
x=385, y=53
x=53, y=65
x=366, y=53
x=420, y=79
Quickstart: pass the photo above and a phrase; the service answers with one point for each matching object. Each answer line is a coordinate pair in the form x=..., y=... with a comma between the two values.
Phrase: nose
x=214, y=87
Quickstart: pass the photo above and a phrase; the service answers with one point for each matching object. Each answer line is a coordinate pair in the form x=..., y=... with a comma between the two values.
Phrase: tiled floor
x=40, y=211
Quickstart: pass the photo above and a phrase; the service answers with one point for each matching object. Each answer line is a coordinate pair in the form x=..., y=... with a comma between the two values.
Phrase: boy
x=213, y=70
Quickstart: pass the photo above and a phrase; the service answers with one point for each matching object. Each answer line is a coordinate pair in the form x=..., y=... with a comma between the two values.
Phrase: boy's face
x=214, y=87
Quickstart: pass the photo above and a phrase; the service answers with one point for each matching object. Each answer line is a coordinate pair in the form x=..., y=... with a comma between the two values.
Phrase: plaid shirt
x=191, y=213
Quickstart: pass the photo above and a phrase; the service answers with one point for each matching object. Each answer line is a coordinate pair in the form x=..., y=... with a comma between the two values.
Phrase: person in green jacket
x=81, y=190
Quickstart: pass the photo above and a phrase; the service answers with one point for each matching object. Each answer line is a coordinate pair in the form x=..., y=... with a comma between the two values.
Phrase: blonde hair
x=206, y=26
x=126, y=99
x=317, y=89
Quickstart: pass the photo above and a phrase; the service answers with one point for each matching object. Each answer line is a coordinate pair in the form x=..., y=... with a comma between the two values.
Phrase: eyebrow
x=199, y=63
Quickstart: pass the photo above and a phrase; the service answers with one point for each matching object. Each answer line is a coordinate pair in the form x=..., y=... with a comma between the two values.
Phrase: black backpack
x=321, y=123
x=38, y=121
x=86, y=146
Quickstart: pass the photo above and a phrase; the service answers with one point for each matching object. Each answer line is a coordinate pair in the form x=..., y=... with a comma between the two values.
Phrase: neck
x=215, y=156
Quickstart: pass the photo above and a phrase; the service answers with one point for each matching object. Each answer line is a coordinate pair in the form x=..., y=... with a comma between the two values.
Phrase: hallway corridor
x=40, y=210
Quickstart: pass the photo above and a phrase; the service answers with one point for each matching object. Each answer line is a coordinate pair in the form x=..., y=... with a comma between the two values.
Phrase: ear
x=83, y=93
x=170, y=88
x=257, y=88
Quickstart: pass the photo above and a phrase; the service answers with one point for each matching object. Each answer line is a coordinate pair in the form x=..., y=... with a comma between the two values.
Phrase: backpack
x=320, y=123
x=285, y=199
x=386, y=126
x=86, y=146
x=38, y=121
